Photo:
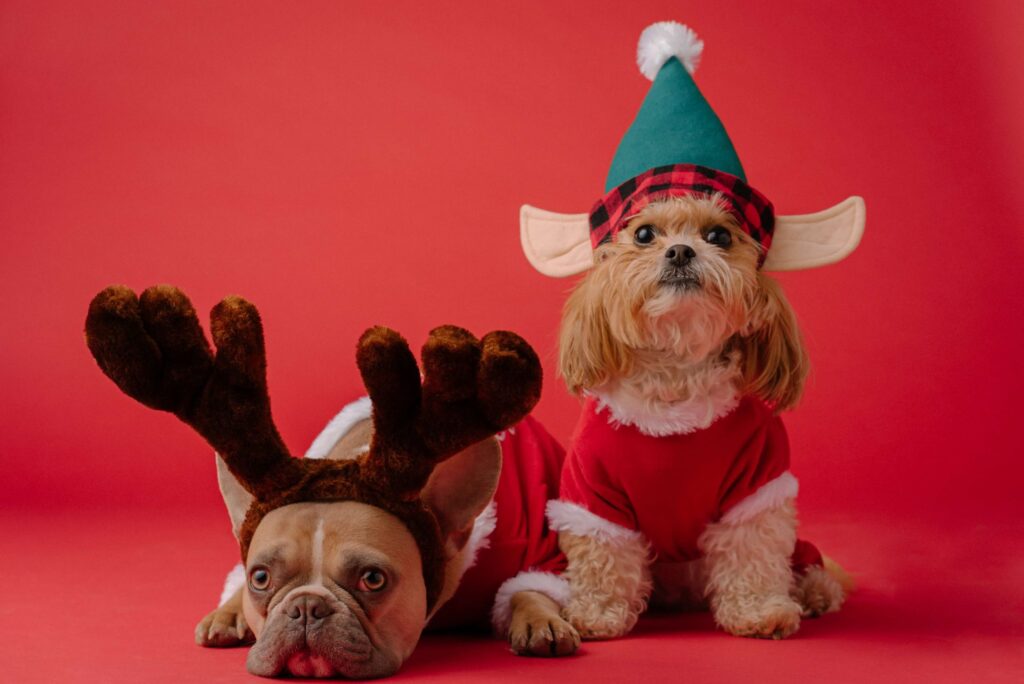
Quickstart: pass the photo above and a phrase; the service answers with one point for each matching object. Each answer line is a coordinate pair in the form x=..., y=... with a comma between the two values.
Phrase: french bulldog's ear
x=236, y=498
x=460, y=488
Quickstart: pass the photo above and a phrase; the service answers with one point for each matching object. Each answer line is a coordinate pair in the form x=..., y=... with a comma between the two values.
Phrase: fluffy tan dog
x=673, y=329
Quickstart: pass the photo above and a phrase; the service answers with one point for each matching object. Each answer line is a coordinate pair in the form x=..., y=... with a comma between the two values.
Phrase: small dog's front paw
x=818, y=592
x=222, y=628
x=775, y=617
x=594, y=621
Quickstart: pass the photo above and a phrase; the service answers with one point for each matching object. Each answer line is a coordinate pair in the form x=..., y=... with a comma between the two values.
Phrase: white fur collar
x=713, y=395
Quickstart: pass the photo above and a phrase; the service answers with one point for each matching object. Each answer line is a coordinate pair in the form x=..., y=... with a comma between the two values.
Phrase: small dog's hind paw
x=223, y=628
x=818, y=592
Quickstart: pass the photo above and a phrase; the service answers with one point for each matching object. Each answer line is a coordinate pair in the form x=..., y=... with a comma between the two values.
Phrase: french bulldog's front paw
x=537, y=629
x=774, y=617
x=547, y=635
x=222, y=628
x=818, y=592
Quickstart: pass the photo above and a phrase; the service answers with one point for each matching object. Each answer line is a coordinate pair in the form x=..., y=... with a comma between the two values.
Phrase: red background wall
x=347, y=164
x=343, y=165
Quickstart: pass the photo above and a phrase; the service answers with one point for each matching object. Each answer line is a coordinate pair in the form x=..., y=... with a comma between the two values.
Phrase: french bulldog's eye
x=644, y=235
x=718, y=236
x=259, y=578
x=372, y=579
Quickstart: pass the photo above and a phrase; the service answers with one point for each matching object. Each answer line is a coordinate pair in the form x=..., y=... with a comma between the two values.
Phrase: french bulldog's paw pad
x=223, y=629
x=545, y=637
x=775, y=618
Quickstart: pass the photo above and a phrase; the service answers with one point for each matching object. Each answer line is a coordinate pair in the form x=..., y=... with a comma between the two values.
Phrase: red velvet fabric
x=521, y=540
x=670, y=488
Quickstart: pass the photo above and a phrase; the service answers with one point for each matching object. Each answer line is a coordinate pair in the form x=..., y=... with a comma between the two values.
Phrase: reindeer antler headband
x=153, y=348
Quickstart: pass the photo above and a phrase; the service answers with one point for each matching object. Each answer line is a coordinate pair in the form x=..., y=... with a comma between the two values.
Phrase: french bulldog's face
x=337, y=589
x=333, y=589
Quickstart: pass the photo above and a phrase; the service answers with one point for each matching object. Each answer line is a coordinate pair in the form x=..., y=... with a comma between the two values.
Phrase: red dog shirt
x=619, y=481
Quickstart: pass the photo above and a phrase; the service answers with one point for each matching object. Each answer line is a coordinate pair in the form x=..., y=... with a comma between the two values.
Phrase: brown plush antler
x=153, y=348
x=471, y=390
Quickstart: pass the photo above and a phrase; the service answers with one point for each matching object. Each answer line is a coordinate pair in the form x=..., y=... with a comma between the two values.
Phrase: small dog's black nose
x=679, y=255
x=309, y=608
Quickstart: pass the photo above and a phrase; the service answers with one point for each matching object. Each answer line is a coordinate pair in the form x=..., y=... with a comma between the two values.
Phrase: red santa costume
x=622, y=480
x=511, y=548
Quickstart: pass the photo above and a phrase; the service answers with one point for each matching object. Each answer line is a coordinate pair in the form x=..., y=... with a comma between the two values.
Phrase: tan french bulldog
x=346, y=558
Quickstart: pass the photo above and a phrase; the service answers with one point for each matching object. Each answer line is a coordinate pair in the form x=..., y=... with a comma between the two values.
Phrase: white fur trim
x=769, y=496
x=717, y=399
x=358, y=410
x=565, y=516
x=232, y=583
x=479, y=538
x=554, y=587
x=666, y=39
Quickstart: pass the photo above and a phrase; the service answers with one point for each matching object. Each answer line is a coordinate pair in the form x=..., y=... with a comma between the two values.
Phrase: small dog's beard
x=686, y=315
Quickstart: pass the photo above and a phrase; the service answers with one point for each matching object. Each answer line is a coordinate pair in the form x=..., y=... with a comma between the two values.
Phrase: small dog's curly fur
x=676, y=313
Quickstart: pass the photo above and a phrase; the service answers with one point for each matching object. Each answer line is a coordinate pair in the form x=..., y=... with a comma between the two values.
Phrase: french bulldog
x=349, y=554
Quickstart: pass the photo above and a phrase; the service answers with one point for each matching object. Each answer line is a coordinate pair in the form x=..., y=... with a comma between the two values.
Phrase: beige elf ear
x=236, y=498
x=812, y=240
x=558, y=245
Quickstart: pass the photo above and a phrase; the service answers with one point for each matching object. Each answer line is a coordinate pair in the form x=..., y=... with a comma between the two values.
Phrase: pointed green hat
x=678, y=146
x=675, y=124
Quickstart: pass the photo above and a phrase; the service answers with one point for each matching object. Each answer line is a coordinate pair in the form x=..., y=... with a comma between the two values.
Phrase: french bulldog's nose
x=309, y=608
x=679, y=255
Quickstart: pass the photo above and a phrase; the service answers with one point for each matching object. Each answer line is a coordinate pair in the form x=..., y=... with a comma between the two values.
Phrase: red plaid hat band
x=753, y=211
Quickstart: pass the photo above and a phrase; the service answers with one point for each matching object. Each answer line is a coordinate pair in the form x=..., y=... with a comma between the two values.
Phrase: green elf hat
x=677, y=146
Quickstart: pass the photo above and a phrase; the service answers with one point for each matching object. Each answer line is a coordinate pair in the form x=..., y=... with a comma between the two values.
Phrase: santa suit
x=620, y=482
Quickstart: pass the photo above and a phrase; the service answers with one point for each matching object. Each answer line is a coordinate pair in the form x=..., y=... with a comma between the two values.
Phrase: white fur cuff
x=564, y=516
x=232, y=583
x=771, y=495
x=552, y=586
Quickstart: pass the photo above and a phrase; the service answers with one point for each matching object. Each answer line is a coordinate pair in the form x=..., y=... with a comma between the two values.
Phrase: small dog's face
x=680, y=280
x=333, y=589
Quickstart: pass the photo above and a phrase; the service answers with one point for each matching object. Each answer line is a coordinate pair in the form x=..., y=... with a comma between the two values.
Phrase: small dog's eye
x=259, y=578
x=644, y=235
x=372, y=579
x=718, y=236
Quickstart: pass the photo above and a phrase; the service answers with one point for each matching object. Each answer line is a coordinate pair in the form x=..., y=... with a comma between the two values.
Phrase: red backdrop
x=348, y=164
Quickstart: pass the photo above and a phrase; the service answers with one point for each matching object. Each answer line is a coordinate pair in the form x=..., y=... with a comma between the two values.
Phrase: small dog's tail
x=839, y=573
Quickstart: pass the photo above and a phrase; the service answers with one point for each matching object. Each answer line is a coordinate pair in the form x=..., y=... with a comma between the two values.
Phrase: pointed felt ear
x=557, y=245
x=460, y=488
x=812, y=240
x=236, y=498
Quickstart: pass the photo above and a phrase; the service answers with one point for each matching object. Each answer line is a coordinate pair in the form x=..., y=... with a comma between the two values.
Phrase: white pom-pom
x=666, y=39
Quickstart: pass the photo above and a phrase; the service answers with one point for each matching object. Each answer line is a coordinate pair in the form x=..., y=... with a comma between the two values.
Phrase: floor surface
x=112, y=596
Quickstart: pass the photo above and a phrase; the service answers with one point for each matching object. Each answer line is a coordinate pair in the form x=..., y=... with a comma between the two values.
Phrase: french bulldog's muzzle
x=313, y=633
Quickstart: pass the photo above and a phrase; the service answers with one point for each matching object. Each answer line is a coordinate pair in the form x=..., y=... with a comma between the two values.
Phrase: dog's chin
x=310, y=665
